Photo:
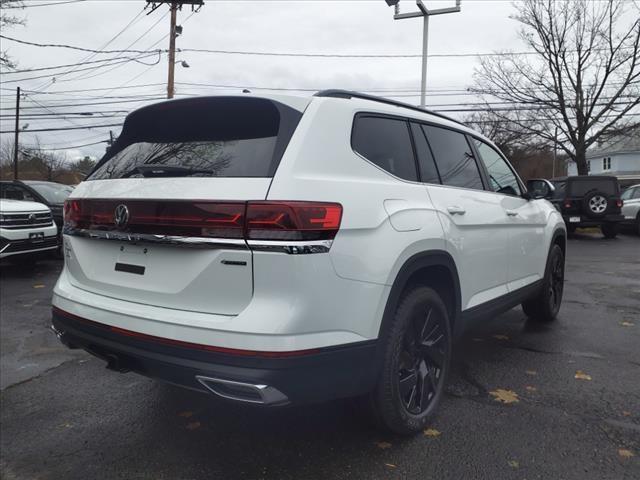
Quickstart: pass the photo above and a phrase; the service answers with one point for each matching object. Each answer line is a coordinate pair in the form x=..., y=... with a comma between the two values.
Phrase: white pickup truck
x=27, y=230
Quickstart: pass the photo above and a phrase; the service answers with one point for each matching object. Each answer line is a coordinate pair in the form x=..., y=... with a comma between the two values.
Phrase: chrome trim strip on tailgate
x=189, y=242
x=291, y=247
x=301, y=247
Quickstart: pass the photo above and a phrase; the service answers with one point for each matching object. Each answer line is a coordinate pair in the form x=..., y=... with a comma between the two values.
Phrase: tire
x=416, y=362
x=609, y=230
x=544, y=307
x=595, y=204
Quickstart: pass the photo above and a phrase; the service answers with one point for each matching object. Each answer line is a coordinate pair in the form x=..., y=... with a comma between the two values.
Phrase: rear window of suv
x=206, y=137
x=579, y=188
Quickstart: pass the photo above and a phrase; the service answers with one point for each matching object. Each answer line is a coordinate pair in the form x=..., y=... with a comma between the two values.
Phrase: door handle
x=512, y=213
x=455, y=210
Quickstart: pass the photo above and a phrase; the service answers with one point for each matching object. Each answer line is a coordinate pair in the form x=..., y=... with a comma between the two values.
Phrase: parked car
x=51, y=194
x=280, y=250
x=631, y=207
x=27, y=230
x=589, y=201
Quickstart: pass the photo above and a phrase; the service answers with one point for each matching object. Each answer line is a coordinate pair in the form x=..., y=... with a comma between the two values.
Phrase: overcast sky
x=316, y=27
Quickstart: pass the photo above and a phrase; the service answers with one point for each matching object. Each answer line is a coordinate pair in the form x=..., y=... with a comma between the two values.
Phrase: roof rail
x=337, y=93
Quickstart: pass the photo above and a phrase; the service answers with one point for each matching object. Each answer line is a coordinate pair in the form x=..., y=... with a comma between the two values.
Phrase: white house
x=618, y=156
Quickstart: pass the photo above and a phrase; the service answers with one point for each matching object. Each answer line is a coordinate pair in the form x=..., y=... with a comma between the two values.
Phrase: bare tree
x=505, y=135
x=7, y=19
x=584, y=78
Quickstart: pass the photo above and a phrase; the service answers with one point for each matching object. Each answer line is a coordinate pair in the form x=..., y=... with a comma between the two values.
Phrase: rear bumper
x=270, y=378
x=591, y=222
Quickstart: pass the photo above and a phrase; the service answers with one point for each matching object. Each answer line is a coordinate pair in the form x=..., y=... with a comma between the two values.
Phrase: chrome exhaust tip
x=62, y=336
x=243, y=392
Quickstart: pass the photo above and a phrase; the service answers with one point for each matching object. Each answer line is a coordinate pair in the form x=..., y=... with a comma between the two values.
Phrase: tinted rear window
x=579, y=188
x=385, y=142
x=210, y=136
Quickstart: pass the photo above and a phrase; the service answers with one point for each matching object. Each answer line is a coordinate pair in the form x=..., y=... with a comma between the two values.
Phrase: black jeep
x=589, y=201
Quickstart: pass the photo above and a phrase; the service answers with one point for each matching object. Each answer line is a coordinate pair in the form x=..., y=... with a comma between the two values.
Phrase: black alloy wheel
x=416, y=354
x=545, y=305
x=556, y=283
x=421, y=361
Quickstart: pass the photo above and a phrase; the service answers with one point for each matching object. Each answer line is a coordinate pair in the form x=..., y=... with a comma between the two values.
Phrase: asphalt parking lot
x=570, y=404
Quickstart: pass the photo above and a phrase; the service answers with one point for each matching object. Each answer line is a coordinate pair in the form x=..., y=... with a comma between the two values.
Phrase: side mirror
x=539, y=188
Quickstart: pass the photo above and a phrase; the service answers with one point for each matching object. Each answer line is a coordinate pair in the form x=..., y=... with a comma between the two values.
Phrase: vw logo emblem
x=121, y=216
x=31, y=218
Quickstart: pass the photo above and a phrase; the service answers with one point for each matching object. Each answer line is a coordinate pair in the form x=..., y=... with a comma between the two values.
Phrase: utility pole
x=15, y=146
x=555, y=148
x=172, y=51
x=110, y=141
x=174, y=31
x=425, y=14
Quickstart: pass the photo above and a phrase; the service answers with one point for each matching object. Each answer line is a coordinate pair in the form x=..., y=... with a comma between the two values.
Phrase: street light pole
x=425, y=48
x=425, y=14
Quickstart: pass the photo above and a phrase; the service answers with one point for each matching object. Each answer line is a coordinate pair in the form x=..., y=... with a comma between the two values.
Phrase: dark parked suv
x=589, y=201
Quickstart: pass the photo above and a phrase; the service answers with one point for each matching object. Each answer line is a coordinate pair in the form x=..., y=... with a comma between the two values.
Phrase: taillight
x=619, y=203
x=292, y=220
x=180, y=218
x=567, y=204
x=254, y=220
x=71, y=210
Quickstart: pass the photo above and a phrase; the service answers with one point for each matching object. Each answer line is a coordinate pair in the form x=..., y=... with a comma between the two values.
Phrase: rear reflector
x=254, y=220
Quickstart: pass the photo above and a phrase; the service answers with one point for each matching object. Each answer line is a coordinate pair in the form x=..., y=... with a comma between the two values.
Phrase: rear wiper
x=166, y=171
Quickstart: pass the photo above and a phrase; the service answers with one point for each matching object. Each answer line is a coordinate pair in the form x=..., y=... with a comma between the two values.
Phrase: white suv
x=280, y=250
x=27, y=230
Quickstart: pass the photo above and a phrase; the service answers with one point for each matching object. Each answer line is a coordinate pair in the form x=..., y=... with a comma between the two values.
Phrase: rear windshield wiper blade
x=166, y=171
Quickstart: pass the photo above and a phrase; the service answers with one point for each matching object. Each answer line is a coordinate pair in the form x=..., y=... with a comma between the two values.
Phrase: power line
x=45, y=4
x=92, y=103
x=64, y=129
x=144, y=85
x=135, y=77
x=82, y=49
x=293, y=54
x=70, y=147
x=88, y=68
x=54, y=67
x=84, y=76
x=102, y=47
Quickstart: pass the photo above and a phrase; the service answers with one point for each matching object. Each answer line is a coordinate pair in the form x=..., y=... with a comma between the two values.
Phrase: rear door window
x=207, y=137
x=386, y=143
x=454, y=158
